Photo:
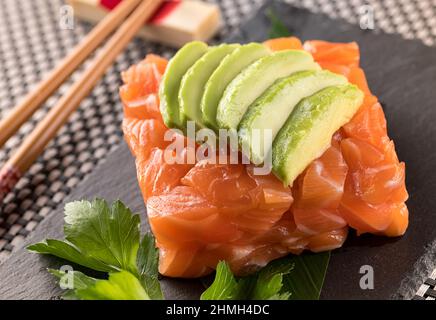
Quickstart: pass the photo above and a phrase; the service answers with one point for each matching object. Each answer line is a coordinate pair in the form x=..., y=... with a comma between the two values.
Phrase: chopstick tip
x=9, y=176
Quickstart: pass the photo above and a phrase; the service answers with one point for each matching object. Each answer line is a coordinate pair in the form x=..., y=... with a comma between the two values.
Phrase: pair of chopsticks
x=129, y=16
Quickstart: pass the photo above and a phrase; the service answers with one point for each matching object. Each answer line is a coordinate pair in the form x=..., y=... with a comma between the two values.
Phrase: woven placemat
x=32, y=42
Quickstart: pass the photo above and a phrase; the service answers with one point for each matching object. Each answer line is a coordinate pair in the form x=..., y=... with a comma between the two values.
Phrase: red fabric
x=109, y=4
x=166, y=8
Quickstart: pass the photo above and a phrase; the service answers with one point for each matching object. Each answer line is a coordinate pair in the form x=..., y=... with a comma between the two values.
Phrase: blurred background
x=32, y=41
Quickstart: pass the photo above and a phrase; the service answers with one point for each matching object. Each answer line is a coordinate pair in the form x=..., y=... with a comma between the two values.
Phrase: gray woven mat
x=31, y=43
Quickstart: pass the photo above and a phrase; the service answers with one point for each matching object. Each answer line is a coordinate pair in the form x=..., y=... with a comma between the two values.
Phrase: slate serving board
x=402, y=73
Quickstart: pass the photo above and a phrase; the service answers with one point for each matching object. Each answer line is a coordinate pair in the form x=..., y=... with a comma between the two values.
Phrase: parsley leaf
x=270, y=280
x=290, y=278
x=224, y=287
x=147, y=262
x=107, y=234
x=72, y=281
x=120, y=286
x=99, y=237
x=265, y=284
x=68, y=251
x=105, y=238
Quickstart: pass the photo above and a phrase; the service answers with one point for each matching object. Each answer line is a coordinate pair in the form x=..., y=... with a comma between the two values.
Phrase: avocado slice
x=228, y=69
x=170, y=84
x=255, y=79
x=194, y=81
x=308, y=131
x=270, y=111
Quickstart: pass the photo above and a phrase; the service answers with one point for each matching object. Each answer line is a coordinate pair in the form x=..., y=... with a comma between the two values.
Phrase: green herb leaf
x=270, y=280
x=281, y=296
x=147, y=263
x=278, y=28
x=121, y=285
x=306, y=280
x=266, y=284
x=294, y=277
x=224, y=287
x=105, y=239
x=107, y=234
x=72, y=281
x=68, y=251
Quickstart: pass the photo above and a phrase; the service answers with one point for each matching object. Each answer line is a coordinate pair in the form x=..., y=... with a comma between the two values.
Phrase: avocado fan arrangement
x=248, y=88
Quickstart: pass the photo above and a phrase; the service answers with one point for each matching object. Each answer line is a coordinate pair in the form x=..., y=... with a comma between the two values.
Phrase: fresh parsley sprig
x=121, y=285
x=264, y=285
x=290, y=278
x=106, y=238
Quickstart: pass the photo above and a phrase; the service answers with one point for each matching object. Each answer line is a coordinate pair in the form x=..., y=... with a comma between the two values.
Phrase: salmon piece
x=248, y=259
x=224, y=185
x=183, y=215
x=384, y=184
x=159, y=62
x=284, y=234
x=321, y=185
x=243, y=259
x=346, y=54
x=336, y=68
x=252, y=202
x=139, y=93
x=255, y=220
x=156, y=176
x=373, y=177
x=328, y=240
x=369, y=125
x=355, y=75
x=146, y=72
x=144, y=107
x=364, y=217
x=315, y=221
x=374, y=189
x=270, y=193
x=182, y=262
x=285, y=43
x=400, y=221
x=319, y=191
x=285, y=237
x=142, y=135
x=400, y=194
x=360, y=154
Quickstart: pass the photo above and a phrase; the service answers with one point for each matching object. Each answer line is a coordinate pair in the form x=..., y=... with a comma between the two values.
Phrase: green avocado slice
x=308, y=131
x=228, y=69
x=194, y=81
x=255, y=79
x=270, y=111
x=169, y=87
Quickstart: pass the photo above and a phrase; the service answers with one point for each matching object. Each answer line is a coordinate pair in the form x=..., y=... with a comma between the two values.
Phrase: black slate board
x=402, y=74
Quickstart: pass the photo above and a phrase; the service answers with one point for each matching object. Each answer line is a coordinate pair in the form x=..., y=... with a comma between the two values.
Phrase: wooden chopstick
x=22, y=112
x=35, y=143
